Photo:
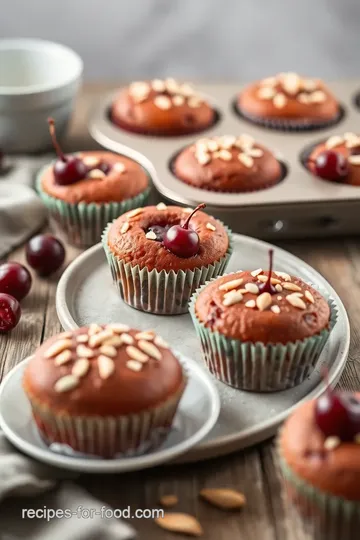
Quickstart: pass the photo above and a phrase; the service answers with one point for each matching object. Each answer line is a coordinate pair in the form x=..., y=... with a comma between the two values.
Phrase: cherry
x=331, y=165
x=10, y=312
x=67, y=169
x=267, y=286
x=45, y=254
x=15, y=280
x=181, y=240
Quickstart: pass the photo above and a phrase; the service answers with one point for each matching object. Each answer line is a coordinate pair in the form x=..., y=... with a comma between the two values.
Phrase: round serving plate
x=86, y=294
x=197, y=413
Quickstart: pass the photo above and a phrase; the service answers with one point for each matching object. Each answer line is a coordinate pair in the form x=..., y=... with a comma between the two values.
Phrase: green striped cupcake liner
x=324, y=516
x=84, y=223
x=161, y=293
x=258, y=367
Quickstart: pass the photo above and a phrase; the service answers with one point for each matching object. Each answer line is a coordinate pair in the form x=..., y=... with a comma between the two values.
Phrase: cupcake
x=228, y=164
x=84, y=191
x=319, y=448
x=163, y=108
x=288, y=101
x=104, y=390
x=261, y=331
x=159, y=255
x=337, y=159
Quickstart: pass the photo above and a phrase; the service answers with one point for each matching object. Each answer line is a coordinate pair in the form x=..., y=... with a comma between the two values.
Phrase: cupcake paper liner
x=325, y=516
x=255, y=366
x=106, y=437
x=162, y=293
x=83, y=223
x=289, y=125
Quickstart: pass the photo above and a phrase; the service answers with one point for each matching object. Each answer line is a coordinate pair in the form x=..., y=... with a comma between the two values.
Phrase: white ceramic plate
x=86, y=294
x=196, y=416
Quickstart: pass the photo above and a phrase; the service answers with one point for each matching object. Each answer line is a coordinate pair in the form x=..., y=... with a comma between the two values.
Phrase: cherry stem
x=55, y=142
x=186, y=224
x=271, y=257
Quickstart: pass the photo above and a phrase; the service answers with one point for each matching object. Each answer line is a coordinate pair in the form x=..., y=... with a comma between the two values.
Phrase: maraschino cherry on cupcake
x=337, y=159
x=159, y=255
x=86, y=190
x=319, y=448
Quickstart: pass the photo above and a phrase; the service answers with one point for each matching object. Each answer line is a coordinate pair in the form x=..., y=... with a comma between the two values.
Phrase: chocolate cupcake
x=319, y=448
x=228, y=164
x=159, y=255
x=289, y=102
x=104, y=390
x=162, y=107
x=261, y=331
x=84, y=191
x=337, y=159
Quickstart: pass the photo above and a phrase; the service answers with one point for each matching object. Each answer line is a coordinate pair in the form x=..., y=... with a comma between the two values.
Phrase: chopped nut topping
x=266, y=92
x=255, y=152
x=81, y=367
x=334, y=141
x=279, y=297
x=273, y=280
x=162, y=102
x=211, y=227
x=139, y=91
x=108, y=350
x=148, y=336
x=106, y=366
x=135, y=212
x=99, y=338
x=94, y=329
x=150, y=235
x=354, y=160
x=290, y=286
x=255, y=273
x=66, y=383
x=252, y=288
x=318, y=97
x=118, y=328
x=58, y=347
x=332, y=442
x=279, y=101
x=246, y=160
x=303, y=98
x=275, y=309
x=91, y=161
x=158, y=85
x=136, y=354
x=309, y=297
x=160, y=342
x=63, y=357
x=227, y=142
x=283, y=275
x=309, y=84
x=229, y=285
x=295, y=301
x=125, y=227
x=203, y=158
x=194, y=102
x=84, y=352
x=291, y=83
x=178, y=100
x=96, y=173
x=278, y=288
x=119, y=167
x=134, y=365
x=250, y=304
x=212, y=145
x=232, y=297
x=186, y=90
x=149, y=349
x=114, y=341
x=127, y=339
x=225, y=155
x=172, y=86
x=161, y=206
x=83, y=338
x=263, y=301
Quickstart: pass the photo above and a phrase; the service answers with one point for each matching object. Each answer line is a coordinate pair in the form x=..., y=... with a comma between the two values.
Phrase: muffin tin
x=297, y=207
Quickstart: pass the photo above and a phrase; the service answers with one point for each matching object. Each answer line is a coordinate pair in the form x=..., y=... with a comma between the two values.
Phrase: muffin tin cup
x=257, y=367
x=84, y=223
x=110, y=436
x=161, y=293
x=324, y=515
x=289, y=125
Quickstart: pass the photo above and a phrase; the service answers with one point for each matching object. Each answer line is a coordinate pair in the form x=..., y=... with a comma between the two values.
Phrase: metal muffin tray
x=299, y=206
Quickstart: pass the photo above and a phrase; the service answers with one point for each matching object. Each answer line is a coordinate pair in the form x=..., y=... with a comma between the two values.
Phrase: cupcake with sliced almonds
x=84, y=191
x=159, y=255
x=261, y=331
x=104, y=390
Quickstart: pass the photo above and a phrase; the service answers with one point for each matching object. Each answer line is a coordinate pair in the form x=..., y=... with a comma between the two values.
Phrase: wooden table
x=255, y=472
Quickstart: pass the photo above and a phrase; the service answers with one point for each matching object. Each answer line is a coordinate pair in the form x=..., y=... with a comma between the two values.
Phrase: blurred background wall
x=196, y=39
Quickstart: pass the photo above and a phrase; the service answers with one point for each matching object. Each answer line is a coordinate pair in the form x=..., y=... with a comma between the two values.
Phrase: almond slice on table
x=180, y=523
x=168, y=500
x=226, y=499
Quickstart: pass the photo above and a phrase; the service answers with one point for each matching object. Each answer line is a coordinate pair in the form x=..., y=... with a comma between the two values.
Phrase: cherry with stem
x=181, y=239
x=330, y=165
x=67, y=169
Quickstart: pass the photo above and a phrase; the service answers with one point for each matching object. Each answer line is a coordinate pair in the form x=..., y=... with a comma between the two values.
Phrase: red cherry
x=338, y=414
x=267, y=286
x=331, y=165
x=15, y=280
x=181, y=240
x=67, y=169
x=10, y=312
x=45, y=254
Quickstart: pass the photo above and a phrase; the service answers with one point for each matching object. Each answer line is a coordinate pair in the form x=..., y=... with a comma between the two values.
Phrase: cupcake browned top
x=124, y=178
x=132, y=239
x=227, y=164
x=107, y=370
x=348, y=145
x=234, y=306
x=289, y=96
x=306, y=451
x=162, y=107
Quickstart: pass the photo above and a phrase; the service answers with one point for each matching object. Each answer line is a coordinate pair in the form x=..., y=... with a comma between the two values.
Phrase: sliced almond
x=160, y=342
x=279, y=298
x=118, y=328
x=318, y=96
x=136, y=354
x=334, y=141
x=125, y=227
x=127, y=339
x=180, y=523
x=303, y=98
x=309, y=297
x=225, y=155
x=246, y=160
x=114, y=341
x=150, y=235
x=66, y=383
x=148, y=336
x=91, y=161
x=211, y=227
x=226, y=499
x=139, y=90
x=134, y=365
x=255, y=152
x=96, y=173
x=290, y=286
x=83, y=338
x=354, y=160
x=309, y=84
x=212, y=145
x=135, y=212
x=283, y=275
x=172, y=86
x=203, y=158
x=231, y=298
x=275, y=309
x=291, y=83
x=278, y=287
x=84, y=352
x=266, y=92
x=186, y=90
x=65, y=335
x=255, y=273
x=158, y=85
x=161, y=206
x=194, y=102
x=295, y=301
x=263, y=301
x=108, y=350
x=81, y=367
x=99, y=338
x=163, y=102
x=119, y=167
x=245, y=141
x=227, y=142
x=58, y=347
x=150, y=349
x=229, y=285
x=63, y=357
x=168, y=500
x=250, y=304
x=332, y=442
x=94, y=329
x=252, y=288
x=280, y=101
x=274, y=281
x=106, y=366
x=178, y=100
x=269, y=81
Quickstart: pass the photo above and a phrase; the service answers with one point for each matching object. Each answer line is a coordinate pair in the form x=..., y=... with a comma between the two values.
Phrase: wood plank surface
x=255, y=472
